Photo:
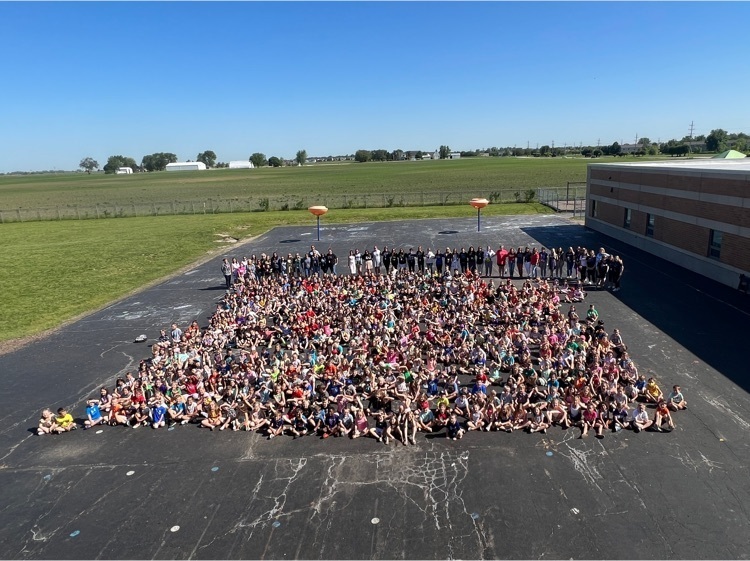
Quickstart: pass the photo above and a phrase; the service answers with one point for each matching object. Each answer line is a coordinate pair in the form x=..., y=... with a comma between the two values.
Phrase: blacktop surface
x=194, y=494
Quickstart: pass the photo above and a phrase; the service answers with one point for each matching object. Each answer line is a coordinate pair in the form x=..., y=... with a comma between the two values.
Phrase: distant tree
x=208, y=157
x=644, y=141
x=419, y=155
x=741, y=144
x=444, y=152
x=586, y=152
x=597, y=152
x=652, y=149
x=158, y=161
x=301, y=157
x=397, y=155
x=379, y=155
x=89, y=164
x=259, y=159
x=273, y=161
x=362, y=156
x=544, y=150
x=615, y=149
x=716, y=141
x=115, y=162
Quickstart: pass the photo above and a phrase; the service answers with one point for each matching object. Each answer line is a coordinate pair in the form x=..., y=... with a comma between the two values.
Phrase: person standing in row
x=226, y=270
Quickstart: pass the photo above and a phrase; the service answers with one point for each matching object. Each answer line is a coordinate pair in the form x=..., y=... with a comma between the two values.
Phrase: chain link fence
x=571, y=198
x=262, y=204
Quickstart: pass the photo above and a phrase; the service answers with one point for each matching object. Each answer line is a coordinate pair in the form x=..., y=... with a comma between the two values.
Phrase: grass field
x=54, y=271
x=467, y=177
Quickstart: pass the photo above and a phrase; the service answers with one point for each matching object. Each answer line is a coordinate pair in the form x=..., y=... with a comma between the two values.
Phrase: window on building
x=593, y=209
x=650, y=225
x=628, y=217
x=714, y=244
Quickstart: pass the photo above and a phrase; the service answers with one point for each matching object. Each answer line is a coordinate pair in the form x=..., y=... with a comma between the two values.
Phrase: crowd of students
x=386, y=353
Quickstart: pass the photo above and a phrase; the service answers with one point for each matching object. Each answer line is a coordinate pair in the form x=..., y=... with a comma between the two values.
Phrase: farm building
x=241, y=164
x=186, y=166
x=695, y=213
x=124, y=171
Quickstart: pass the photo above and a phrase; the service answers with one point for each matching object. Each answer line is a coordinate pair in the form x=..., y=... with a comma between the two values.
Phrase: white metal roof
x=703, y=164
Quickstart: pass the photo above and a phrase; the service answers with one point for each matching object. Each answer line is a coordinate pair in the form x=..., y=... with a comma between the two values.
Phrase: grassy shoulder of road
x=54, y=272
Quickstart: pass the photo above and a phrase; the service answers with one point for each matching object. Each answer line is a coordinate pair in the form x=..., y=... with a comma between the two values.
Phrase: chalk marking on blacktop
x=722, y=405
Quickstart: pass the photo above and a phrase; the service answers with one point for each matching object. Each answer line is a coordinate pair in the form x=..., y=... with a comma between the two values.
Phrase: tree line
x=718, y=140
x=159, y=160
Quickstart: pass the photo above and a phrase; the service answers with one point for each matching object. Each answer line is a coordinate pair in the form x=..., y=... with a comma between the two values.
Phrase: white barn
x=186, y=166
x=241, y=164
x=124, y=171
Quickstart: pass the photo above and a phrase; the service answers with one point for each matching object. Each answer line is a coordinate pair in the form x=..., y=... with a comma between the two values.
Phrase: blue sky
x=96, y=79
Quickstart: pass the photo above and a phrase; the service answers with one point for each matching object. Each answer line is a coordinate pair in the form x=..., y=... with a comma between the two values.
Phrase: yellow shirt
x=64, y=421
x=653, y=389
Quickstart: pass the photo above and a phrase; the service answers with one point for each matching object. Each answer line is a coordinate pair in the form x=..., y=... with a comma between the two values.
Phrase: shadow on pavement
x=709, y=319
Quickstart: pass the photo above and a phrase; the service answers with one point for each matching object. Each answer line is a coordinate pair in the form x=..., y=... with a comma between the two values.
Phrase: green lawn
x=54, y=271
x=465, y=178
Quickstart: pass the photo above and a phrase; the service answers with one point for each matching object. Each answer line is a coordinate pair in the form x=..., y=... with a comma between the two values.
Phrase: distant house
x=124, y=171
x=186, y=166
x=632, y=148
x=454, y=156
x=241, y=164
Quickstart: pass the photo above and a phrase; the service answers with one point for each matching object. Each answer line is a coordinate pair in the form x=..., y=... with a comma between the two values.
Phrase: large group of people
x=405, y=343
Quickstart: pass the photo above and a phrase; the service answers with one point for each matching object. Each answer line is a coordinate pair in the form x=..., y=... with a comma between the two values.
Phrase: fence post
x=204, y=207
x=18, y=212
x=192, y=206
x=230, y=205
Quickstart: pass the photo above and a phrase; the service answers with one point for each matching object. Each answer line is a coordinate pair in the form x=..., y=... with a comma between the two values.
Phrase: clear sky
x=99, y=78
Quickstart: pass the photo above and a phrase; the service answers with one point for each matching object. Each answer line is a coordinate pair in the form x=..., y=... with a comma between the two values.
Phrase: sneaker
x=183, y=422
x=270, y=436
x=544, y=431
x=637, y=430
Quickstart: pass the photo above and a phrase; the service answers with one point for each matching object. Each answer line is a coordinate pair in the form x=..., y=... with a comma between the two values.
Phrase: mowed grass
x=55, y=271
x=472, y=176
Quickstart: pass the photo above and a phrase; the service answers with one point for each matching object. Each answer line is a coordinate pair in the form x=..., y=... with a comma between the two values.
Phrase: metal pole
x=479, y=211
x=318, y=228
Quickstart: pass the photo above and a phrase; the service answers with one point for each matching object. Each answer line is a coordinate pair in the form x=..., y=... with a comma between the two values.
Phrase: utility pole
x=598, y=142
x=690, y=142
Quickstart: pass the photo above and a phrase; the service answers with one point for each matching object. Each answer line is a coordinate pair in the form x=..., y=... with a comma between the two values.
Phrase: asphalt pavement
x=188, y=493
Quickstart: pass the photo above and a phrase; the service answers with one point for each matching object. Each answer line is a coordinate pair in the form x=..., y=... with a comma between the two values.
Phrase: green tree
x=379, y=155
x=273, y=161
x=596, y=153
x=716, y=141
x=208, y=157
x=158, y=161
x=301, y=157
x=89, y=164
x=444, y=151
x=115, y=162
x=397, y=155
x=419, y=155
x=259, y=160
x=615, y=149
x=362, y=156
x=544, y=150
